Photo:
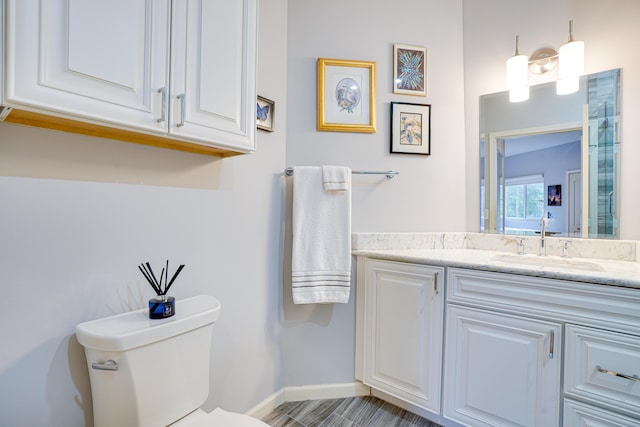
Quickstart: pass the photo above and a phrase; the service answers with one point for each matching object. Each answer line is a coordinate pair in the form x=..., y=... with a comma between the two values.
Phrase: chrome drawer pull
x=618, y=374
x=552, y=340
x=435, y=284
x=109, y=365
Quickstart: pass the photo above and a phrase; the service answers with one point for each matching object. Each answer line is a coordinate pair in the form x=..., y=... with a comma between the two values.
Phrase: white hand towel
x=321, y=247
x=336, y=178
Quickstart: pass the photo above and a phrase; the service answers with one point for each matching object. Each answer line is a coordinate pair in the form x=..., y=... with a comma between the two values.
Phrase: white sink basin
x=548, y=261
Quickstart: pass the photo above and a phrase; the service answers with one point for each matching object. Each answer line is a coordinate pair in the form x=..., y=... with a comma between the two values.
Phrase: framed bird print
x=410, y=128
x=409, y=70
x=265, y=114
x=346, y=96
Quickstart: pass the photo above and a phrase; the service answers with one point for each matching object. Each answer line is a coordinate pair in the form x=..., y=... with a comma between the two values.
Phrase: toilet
x=150, y=373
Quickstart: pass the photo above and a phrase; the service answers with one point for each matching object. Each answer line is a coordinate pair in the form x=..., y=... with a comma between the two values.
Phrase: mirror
x=555, y=156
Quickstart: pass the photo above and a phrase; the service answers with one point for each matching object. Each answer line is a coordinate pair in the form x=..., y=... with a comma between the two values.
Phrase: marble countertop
x=615, y=271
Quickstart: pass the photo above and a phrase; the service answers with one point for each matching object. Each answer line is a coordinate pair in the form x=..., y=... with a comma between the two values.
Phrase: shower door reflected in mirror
x=553, y=156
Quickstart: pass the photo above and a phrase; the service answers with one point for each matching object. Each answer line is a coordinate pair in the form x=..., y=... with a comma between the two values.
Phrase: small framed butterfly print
x=265, y=114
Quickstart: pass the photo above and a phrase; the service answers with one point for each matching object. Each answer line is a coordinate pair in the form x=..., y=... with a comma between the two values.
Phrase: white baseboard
x=310, y=392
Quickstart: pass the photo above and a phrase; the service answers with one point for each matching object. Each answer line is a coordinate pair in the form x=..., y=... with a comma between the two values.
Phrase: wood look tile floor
x=366, y=411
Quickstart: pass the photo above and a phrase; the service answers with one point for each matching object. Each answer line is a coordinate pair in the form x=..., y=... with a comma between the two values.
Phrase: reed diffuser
x=161, y=306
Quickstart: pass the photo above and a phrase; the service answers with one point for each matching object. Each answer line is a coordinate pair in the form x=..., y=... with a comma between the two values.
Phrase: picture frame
x=554, y=195
x=410, y=128
x=346, y=96
x=409, y=70
x=265, y=114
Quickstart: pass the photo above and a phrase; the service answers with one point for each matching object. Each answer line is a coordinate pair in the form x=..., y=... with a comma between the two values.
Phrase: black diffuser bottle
x=161, y=306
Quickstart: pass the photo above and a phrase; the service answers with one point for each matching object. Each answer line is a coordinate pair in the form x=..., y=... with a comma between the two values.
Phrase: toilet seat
x=218, y=418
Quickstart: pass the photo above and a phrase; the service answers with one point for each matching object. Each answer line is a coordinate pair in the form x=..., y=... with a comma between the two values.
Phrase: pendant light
x=571, y=65
x=518, y=76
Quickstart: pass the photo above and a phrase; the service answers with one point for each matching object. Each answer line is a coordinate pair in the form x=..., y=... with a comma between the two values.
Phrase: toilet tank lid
x=134, y=329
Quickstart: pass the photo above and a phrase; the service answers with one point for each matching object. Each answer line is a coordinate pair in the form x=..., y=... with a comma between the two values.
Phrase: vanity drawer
x=603, y=368
x=601, y=306
x=577, y=414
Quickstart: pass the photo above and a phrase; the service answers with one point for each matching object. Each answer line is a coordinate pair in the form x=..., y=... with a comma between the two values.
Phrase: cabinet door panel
x=577, y=414
x=501, y=370
x=403, y=332
x=213, y=76
x=89, y=59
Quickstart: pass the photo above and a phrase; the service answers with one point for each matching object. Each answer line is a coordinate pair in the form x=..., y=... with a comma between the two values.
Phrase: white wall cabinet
x=403, y=327
x=501, y=370
x=179, y=70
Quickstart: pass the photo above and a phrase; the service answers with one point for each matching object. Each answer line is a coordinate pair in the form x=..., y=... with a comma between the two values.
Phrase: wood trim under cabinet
x=29, y=118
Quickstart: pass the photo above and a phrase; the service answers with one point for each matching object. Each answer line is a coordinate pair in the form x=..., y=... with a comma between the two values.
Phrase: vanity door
x=403, y=315
x=501, y=370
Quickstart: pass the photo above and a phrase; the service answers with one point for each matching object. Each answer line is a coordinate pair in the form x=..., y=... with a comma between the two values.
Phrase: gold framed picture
x=346, y=99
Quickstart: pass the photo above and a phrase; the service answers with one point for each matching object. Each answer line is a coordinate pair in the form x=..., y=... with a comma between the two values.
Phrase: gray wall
x=609, y=30
x=318, y=340
x=78, y=214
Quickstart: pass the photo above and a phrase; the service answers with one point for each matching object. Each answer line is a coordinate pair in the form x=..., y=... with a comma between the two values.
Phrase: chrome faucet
x=543, y=233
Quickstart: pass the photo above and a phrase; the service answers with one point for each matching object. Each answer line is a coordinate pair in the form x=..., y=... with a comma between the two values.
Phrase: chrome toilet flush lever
x=109, y=365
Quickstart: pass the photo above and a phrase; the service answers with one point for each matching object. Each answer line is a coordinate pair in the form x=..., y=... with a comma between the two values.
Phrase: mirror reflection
x=553, y=156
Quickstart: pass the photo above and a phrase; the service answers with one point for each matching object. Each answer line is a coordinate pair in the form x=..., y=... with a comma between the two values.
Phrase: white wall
x=610, y=31
x=426, y=196
x=78, y=214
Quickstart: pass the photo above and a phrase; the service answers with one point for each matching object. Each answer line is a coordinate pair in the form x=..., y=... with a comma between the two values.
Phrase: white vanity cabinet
x=504, y=361
x=400, y=309
x=178, y=74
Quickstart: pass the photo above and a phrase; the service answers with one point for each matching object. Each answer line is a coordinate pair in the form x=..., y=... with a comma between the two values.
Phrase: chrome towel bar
x=389, y=174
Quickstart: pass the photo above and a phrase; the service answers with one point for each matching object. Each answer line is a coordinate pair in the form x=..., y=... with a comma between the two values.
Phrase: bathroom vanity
x=466, y=332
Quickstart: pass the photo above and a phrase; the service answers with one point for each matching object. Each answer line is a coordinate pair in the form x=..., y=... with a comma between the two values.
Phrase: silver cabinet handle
x=109, y=365
x=435, y=284
x=618, y=374
x=181, y=98
x=551, y=343
x=163, y=92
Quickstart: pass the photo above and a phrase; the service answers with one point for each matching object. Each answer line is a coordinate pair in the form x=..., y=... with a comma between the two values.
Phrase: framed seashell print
x=410, y=128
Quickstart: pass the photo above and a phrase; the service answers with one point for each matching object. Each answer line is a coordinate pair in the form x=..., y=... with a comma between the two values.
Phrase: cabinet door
x=501, y=370
x=213, y=74
x=403, y=331
x=93, y=60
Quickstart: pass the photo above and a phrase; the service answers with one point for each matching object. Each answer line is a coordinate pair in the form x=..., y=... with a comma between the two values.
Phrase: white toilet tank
x=149, y=372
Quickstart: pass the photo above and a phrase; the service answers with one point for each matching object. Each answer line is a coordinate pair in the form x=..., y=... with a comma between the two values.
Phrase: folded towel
x=321, y=247
x=336, y=177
